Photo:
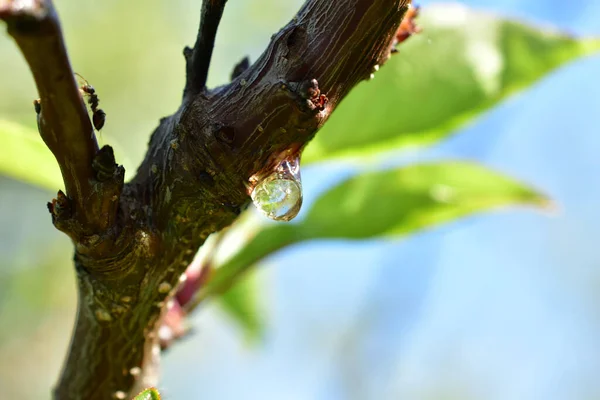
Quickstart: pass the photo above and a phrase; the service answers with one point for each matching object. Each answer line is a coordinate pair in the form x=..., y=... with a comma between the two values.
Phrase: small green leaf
x=241, y=303
x=148, y=394
x=463, y=63
x=25, y=157
x=389, y=203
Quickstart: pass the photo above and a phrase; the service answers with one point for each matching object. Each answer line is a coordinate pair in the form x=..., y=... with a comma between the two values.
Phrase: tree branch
x=63, y=122
x=198, y=58
x=132, y=247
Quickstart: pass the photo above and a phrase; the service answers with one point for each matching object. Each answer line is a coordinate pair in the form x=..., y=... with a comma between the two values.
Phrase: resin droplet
x=164, y=287
x=119, y=395
x=103, y=315
x=279, y=195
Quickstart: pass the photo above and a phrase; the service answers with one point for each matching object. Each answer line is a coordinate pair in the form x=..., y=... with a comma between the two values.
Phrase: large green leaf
x=401, y=201
x=24, y=156
x=462, y=64
x=389, y=203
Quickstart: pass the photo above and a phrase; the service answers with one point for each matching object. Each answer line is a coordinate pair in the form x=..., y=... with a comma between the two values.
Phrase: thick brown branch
x=63, y=120
x=198, y=172
x=198, y=58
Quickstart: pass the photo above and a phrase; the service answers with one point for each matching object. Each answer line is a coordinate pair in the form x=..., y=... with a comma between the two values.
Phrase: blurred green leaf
x=402, y=201
x=265, y=242
x=241, y=303
x=463, y=63
x=389, y=203
x=148, y=394
x=25, y=157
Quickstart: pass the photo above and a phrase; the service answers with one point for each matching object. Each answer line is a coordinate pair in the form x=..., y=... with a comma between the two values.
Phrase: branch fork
x=134, y=241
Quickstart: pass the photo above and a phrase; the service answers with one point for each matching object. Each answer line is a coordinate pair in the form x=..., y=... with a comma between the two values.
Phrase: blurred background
x=502, y=305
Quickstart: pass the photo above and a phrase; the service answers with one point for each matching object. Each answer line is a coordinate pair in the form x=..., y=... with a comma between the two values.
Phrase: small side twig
x=198, y=58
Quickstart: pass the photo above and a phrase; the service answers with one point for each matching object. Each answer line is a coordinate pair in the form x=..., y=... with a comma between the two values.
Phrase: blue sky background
x=497, y=306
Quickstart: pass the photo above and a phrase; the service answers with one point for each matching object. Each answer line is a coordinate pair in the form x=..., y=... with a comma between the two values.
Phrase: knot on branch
x=308, y=94
x=296, y=39
x=226, y=135
x=315, y=100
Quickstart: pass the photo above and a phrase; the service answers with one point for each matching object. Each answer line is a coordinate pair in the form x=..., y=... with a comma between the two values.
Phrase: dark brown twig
x=63, y=119
x=65, y=125
x=198, y=58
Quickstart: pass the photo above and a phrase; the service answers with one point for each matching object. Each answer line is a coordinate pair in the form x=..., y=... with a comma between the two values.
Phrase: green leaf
x=463, y=63
x=25, y=157
x=241, y=303
x=402, y=201
x=148, y=394
x=390, y=203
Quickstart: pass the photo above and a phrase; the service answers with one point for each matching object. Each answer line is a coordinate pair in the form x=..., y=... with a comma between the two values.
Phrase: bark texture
x=134, y=241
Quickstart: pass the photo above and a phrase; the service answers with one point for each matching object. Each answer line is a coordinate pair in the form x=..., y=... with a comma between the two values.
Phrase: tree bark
x=134, y=241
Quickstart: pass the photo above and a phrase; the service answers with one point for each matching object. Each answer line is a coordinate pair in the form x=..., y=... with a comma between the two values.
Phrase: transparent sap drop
x=279, y=195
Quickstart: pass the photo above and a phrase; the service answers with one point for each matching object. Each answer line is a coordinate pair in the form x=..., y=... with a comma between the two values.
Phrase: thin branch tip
x=198, y=59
